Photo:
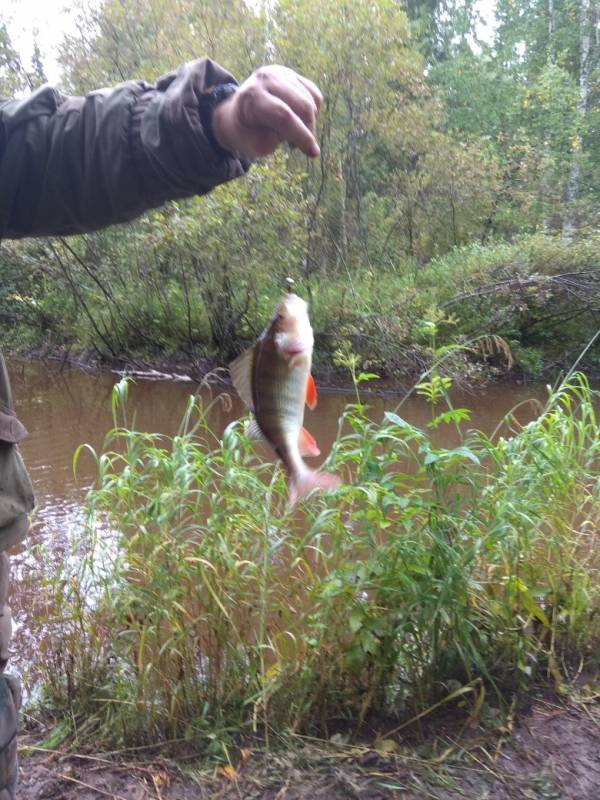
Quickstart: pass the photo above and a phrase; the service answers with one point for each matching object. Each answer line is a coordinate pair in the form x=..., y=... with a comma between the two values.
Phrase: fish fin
x=311, y=392
x=307, y=444
x=241, y=376
x=301, y=485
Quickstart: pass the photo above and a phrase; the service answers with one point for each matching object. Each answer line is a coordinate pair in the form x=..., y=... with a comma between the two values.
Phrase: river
x=65, y=407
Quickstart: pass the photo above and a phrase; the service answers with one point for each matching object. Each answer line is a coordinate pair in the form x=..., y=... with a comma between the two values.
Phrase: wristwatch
x=208, y=102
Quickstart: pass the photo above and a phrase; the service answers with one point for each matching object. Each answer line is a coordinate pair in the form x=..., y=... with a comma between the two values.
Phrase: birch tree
x=585, y=62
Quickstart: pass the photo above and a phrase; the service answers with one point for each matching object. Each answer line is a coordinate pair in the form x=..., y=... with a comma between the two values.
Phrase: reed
x=204, y=609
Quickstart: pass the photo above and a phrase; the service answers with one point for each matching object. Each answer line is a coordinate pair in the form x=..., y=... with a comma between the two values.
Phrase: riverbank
x=550, y=752
x=179, y=368
x=526, y=308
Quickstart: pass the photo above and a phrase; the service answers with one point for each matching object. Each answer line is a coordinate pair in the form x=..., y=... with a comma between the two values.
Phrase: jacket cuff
x=173, y=155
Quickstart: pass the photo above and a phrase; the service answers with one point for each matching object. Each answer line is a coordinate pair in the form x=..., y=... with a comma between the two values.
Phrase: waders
x=16, y=501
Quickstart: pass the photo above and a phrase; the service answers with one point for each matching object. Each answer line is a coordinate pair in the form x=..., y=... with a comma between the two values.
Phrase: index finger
x=275, y=114
x=313, y=89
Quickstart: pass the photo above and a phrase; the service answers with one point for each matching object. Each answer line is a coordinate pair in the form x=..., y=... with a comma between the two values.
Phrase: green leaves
x=432, y=571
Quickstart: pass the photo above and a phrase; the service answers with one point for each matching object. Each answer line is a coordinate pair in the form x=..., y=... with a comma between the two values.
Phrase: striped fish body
x=273, y=379
x=279, y=397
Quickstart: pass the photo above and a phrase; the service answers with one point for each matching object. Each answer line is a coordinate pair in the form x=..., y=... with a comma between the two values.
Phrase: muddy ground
x=552, y=752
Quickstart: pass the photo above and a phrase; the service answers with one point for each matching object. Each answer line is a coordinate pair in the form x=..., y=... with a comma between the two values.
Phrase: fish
x=274, y=380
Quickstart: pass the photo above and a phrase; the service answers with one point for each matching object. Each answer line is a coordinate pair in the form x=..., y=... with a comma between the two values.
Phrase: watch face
x=222, y=91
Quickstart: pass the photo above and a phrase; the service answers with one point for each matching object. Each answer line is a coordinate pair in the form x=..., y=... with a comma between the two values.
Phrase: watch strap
x=208, y=102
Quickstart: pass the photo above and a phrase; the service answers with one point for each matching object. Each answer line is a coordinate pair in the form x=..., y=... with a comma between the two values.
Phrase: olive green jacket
x=16, y=493
x=75, y=164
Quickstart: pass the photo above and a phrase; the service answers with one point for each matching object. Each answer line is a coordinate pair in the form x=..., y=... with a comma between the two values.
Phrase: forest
x=458, y=184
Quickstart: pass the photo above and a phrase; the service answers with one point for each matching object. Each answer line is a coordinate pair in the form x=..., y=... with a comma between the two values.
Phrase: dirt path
x=553, y=753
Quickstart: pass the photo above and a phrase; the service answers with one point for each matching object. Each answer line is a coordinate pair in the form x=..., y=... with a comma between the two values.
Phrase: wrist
x=224, y=123
x=215, y=112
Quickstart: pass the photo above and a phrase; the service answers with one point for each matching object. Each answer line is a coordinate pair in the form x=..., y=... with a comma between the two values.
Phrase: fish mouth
x=294, y=350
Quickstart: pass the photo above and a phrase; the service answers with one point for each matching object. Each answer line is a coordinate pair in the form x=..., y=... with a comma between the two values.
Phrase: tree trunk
x=547, y=147
x=570, y=220
x=343, y=251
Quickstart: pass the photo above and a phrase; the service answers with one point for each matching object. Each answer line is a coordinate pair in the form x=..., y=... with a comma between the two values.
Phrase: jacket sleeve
x=76, y=164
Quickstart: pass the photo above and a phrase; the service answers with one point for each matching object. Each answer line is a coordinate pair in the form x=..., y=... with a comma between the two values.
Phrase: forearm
x=70, y=165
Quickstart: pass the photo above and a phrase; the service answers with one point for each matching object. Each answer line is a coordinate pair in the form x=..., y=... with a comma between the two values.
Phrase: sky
x=486, y=29
x=52, y=19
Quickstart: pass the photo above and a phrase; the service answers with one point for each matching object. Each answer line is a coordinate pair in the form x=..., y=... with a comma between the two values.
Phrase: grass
x=205, y=610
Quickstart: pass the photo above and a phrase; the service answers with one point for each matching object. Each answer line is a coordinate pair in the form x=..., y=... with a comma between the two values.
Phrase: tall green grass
x=430, y=574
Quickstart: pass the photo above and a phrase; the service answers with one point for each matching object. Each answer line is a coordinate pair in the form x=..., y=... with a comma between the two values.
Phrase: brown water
x=63, y=408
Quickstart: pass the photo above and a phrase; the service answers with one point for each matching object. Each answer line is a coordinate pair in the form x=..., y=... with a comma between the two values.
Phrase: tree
x=588, y=55
x=119, y=40
x=13, y=78
x=530, y=94
x=36, y=75
x=368, y=99
x=442, y=27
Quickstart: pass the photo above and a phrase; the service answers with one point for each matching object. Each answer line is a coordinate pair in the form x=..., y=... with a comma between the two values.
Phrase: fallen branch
x=585, y=281
x=152, y=375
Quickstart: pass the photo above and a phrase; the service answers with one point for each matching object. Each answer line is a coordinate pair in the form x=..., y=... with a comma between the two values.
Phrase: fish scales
x=279, y=407
x=273, y=378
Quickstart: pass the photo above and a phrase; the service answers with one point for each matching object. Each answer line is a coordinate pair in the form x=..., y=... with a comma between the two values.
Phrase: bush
x=168, y=285
x=430, y=574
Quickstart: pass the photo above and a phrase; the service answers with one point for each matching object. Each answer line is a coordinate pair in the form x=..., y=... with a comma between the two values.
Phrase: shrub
x=431, y=573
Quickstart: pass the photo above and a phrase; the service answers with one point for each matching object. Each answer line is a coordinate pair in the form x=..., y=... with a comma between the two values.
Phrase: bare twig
x=103, y=792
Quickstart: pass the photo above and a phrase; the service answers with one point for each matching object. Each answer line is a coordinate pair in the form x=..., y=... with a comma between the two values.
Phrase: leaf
x=385, y=745
x=332, y=587
x=366, y=376
x=273, y=671
x=228, y=771
x=466, y=452
x=368, y=641
x=396, y=420
x=356, y=619
x=453, y=415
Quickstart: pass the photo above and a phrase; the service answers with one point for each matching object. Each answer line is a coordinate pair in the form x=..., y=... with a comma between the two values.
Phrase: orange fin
x=307, y=444
x=311, y=392
x=299, y=487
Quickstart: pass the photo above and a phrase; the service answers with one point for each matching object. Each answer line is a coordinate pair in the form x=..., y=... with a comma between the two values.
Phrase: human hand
x=272, y=106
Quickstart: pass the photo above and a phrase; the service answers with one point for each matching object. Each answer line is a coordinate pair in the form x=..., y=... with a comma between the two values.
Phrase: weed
x=430, y=576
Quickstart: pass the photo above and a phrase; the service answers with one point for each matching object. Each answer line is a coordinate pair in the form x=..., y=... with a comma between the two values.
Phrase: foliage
x=431, y=574
x=118, y=41
x=12, y=78
x=443, y=158
x=199, y=289
x=530, y=93
x=15, y=77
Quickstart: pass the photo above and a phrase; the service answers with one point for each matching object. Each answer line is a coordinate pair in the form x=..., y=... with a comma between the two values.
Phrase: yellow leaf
x=273, y=670
x=228, y=772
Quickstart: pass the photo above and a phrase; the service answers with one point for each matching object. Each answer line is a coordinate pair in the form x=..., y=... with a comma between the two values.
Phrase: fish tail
x=303, y=483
